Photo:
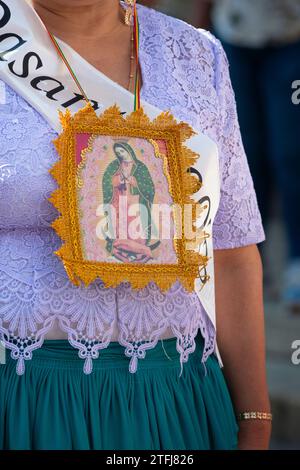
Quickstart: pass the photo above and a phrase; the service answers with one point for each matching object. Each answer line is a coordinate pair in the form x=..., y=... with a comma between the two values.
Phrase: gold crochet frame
x=182, y=184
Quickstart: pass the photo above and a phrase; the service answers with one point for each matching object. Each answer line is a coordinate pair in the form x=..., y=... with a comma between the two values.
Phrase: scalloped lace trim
x=89, y=348
x=91, y=318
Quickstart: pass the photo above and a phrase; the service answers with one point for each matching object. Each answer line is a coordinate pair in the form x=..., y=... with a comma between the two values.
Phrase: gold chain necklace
x=132, y=57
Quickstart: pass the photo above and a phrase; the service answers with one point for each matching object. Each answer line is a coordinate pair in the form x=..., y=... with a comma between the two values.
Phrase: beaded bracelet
x=254, y=415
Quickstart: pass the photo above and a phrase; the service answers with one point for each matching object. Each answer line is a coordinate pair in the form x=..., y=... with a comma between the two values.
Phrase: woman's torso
x=37, y=298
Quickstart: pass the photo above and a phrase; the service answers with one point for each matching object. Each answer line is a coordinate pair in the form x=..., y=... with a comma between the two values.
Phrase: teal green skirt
x=54, y=405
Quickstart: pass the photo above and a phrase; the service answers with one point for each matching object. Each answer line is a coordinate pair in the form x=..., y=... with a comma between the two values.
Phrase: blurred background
x=262, y=41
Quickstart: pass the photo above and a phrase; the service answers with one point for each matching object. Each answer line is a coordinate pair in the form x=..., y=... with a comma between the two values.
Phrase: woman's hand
x=241, y=338
x=254, y=435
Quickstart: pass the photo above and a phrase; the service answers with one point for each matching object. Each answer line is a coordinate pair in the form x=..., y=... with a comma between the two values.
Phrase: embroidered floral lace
x=185, y=70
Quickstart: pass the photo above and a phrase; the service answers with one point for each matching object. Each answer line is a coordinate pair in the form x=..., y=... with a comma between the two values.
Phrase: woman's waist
x=61, y=354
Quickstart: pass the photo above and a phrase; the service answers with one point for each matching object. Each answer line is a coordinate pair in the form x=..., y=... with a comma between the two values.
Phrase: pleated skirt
x=55, y=406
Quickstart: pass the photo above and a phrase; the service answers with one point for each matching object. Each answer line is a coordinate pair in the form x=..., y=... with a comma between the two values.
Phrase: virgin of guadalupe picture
x=116, y=200
x=128, y=178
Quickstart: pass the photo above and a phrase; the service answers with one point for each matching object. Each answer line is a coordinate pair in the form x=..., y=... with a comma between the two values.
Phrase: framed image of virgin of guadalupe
x=125, y=198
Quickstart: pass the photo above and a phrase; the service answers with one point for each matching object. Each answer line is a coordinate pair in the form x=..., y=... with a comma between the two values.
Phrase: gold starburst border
x=182, y=184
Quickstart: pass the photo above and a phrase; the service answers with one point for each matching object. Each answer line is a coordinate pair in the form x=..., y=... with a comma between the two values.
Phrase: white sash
x=27, y=53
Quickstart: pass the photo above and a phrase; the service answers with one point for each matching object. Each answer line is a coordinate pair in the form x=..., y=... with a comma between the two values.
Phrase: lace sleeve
x=238, y=220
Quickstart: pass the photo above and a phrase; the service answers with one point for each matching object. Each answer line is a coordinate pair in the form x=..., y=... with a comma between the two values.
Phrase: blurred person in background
x=262, y=41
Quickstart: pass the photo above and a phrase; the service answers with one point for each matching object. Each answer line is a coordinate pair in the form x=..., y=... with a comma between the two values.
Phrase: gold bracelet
x=254, y=415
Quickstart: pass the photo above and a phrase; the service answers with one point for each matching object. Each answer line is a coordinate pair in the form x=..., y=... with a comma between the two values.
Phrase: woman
x=44, y=319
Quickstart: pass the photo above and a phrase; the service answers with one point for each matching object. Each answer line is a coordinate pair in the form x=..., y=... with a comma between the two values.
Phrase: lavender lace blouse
x=185, y=70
